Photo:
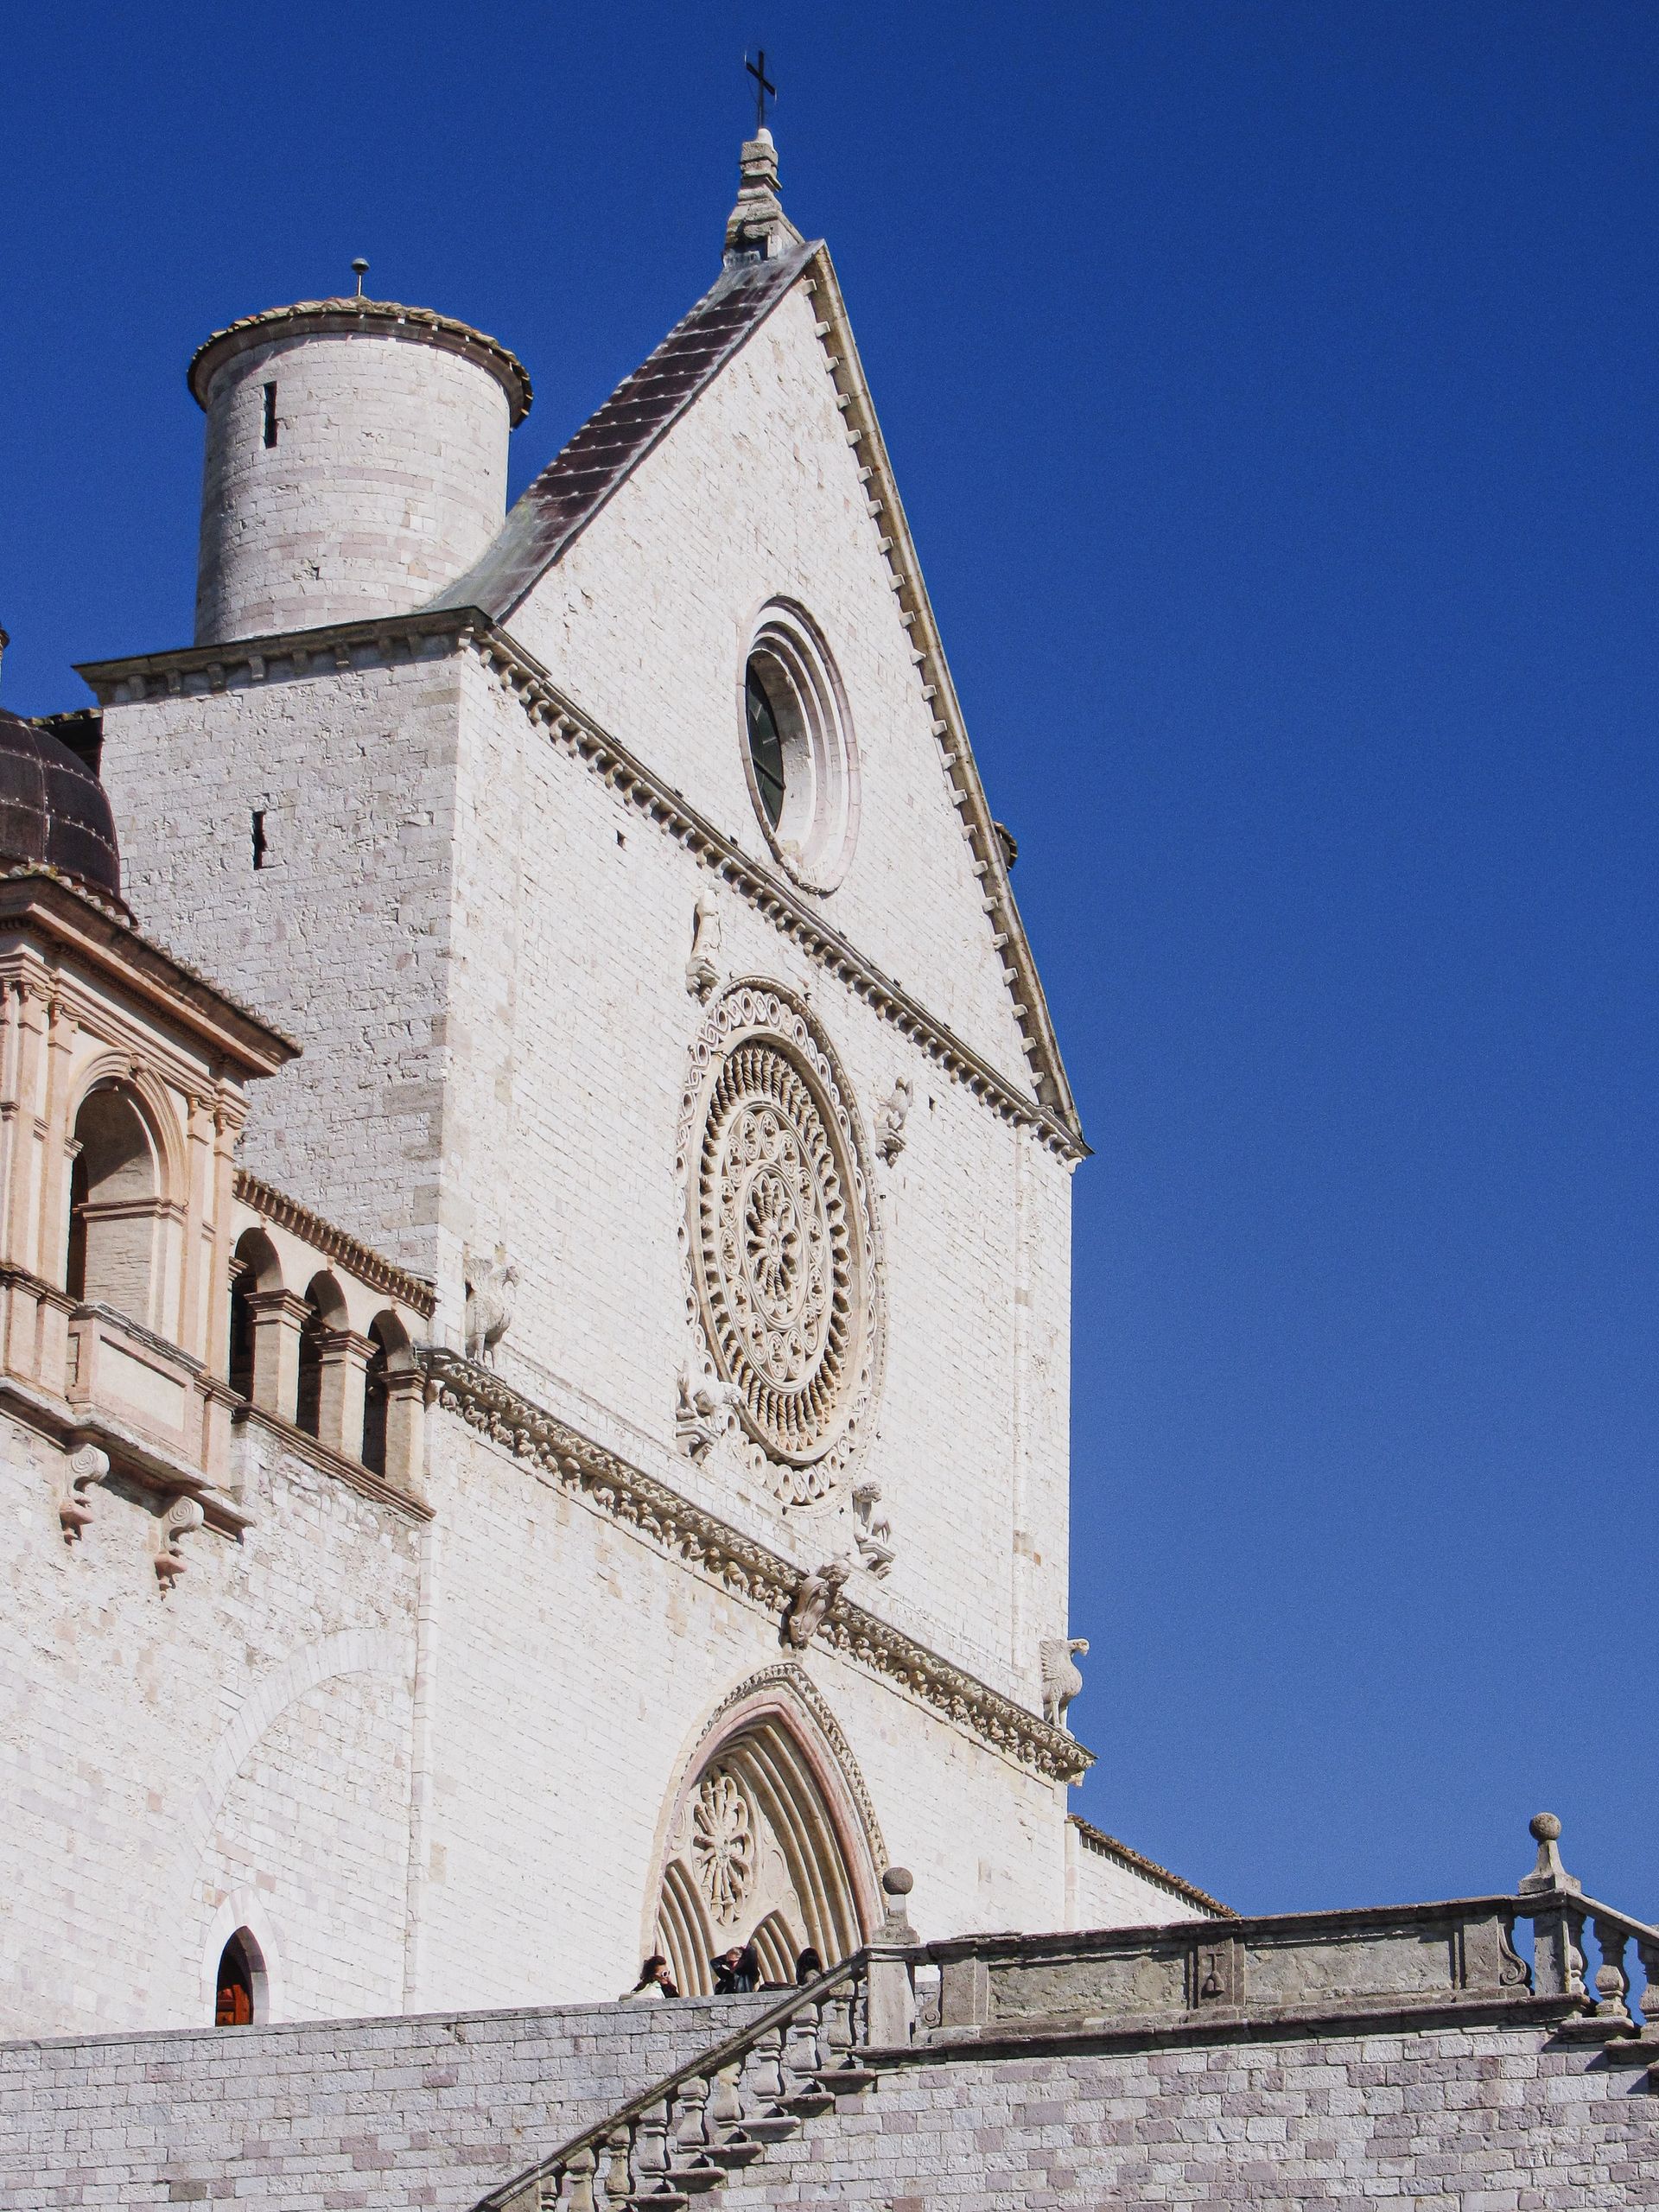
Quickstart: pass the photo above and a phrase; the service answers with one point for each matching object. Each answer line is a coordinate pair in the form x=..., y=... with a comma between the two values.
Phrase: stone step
x=846, y=2080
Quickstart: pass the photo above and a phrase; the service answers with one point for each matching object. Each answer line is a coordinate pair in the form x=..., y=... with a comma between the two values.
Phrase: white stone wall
x=1102, y=1891
x=389, y=477
x=234, y=1751
x=571, y=1032
x=569, y=1670
x=647, y=620
x=342, y=938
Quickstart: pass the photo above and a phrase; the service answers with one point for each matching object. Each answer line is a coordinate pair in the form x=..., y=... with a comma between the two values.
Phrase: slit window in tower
x=271, y=414
x=258, y=837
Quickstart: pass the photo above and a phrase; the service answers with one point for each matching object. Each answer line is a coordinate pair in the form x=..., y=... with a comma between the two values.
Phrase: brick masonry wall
x=426, y=2112
x=1464, y=2120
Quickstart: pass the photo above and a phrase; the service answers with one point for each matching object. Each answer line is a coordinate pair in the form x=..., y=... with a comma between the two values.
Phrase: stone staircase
x=681, y=2139
x=1327, y=1985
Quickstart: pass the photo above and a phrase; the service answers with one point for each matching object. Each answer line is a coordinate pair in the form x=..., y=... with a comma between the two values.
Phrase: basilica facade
x=534, y=1211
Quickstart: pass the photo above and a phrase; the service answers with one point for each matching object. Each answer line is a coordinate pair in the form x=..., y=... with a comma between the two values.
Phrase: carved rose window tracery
x=723, y=1845
x=779, y=1240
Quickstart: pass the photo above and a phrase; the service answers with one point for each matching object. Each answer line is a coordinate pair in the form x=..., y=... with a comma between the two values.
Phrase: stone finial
x=896, y=1883
x=1549, y=1873
x=757, y=229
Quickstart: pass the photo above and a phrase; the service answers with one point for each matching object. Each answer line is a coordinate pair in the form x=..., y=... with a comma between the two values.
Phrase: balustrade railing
x=684, y=2134
x=1403, y=1964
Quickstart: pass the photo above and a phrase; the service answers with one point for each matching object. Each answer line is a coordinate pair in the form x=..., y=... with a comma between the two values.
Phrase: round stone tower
x=356, y=464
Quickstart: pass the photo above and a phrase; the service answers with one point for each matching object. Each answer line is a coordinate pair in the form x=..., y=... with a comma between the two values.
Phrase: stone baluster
x=724, y=2103
x=802, y=2058
x=1647, y=1949
x=690, y=2124
x=763, y=2080
x=618, y=2178
x=576, y=2182
x=1612, y=1983
x=837, y=2032
x=651, y=2146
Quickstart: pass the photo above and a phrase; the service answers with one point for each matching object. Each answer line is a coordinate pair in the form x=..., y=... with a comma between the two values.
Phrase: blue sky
x=1272, y=390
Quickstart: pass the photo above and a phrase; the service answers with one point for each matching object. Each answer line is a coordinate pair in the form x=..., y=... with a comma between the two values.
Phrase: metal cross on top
x=763, y=86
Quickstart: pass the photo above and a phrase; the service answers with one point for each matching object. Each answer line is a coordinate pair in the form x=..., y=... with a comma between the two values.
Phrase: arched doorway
x=771, y=1839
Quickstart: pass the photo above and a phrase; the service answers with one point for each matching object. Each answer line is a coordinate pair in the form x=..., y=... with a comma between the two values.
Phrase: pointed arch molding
x=351, y=1651
x=849, y=1854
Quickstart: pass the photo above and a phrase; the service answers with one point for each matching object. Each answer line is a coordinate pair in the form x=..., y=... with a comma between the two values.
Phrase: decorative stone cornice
x=791, y=913
x=991, y=846
x=359, y=1260
x=432, y=634
x=740, y=1565
x=350, y=317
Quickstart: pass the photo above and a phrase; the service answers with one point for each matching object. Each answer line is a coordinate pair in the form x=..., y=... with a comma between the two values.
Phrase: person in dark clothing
x=808, y=1968
x=726, y=1967
x=746, y=1975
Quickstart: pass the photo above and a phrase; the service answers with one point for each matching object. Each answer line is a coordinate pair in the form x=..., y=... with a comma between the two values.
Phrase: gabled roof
x=610, y=445
x=639, y=414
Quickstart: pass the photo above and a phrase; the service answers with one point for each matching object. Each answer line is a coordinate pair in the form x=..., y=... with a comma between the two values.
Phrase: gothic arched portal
x=771, y=1839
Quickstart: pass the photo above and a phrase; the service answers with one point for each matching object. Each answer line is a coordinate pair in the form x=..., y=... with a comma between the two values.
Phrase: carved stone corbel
x=815, y=1592
x=87, y=1467
x=182, y=1518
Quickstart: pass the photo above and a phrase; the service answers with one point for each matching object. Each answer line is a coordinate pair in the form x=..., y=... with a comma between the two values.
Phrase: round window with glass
x=799, y=753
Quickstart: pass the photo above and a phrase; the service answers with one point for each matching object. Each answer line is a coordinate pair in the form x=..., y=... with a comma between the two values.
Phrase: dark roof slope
x=610, y=445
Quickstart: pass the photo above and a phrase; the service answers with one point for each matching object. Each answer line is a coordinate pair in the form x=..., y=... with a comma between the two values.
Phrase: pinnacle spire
x=757, y=229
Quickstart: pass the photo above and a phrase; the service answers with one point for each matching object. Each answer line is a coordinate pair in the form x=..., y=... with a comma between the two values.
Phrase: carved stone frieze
x=740, y=1565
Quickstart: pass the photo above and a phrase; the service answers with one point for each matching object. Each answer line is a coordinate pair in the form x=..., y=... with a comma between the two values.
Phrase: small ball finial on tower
x=359, y=269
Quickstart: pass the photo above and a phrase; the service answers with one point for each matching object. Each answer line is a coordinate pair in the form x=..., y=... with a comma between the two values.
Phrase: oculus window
x=799, y=753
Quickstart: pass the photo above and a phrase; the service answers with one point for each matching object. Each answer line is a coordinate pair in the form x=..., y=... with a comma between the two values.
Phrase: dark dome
x=54, y=812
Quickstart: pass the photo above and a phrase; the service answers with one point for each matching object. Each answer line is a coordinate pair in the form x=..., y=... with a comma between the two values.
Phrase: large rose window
x=779, y=1239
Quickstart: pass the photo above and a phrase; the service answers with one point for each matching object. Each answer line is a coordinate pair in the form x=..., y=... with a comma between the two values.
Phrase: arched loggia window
x=114, y=1205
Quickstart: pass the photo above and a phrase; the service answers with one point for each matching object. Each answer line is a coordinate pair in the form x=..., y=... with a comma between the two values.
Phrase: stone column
x=345, y=1357
x=279, y=1316
x=405, y=1427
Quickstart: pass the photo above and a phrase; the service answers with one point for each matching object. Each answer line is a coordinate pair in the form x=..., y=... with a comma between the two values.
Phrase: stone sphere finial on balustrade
x=897, y=1882
x=1549, y=1873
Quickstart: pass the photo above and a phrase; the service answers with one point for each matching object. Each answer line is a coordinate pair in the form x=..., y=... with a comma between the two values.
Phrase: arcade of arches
x=767, y=1845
